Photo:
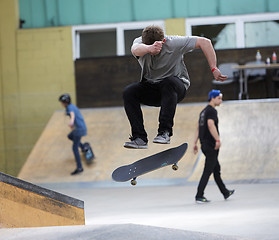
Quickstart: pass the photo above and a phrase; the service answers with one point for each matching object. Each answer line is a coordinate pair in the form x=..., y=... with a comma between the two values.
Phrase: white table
x=243, y=85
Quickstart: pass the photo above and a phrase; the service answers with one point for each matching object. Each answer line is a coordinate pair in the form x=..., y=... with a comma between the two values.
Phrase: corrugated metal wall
x=47, y=13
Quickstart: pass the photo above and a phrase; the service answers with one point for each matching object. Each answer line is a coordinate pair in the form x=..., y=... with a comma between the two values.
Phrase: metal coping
x=40, y=190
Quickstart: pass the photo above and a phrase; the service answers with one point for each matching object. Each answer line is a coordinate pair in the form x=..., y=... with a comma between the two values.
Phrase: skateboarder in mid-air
x=208, y=133
x=164, y=80
x=78, y=127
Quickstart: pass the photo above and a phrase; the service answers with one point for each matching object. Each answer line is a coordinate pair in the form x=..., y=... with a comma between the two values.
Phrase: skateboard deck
x=149, y=164
x=88, y=153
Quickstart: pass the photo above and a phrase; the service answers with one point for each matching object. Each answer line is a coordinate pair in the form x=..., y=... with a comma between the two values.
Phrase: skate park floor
x=156, y=210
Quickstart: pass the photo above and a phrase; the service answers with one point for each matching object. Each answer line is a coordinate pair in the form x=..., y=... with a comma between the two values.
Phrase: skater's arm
x=72, y=119
x=213, y=131
x=196, y=139
x=206, y=46
x=140, y=49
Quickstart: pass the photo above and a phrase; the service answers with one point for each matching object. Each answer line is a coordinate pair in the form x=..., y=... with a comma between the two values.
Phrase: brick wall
x=37, y=66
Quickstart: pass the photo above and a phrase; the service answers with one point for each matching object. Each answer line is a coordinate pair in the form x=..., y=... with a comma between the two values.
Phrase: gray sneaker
x=162, y=137
x=136, y=143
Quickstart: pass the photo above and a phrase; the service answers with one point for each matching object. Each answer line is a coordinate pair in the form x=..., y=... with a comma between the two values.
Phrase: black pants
x=165, y=94
x=211, y=166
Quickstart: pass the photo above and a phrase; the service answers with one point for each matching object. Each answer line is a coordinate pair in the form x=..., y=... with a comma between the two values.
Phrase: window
x=254, y=30
x=221, y=35
x=98, y=44
x=107, y=39
x=130, y=35
x=239, y=31
x=258, y=34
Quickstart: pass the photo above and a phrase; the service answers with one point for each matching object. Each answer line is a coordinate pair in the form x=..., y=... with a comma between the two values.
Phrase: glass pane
x=222, y=36
x=261, y=34
x=129, y=36
x=98, y=44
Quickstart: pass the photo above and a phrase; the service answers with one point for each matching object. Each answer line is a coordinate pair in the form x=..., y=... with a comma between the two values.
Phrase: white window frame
x=238, y=20
x=119, y=27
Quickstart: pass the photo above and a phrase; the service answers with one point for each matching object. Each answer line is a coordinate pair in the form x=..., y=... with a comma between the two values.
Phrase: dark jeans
x=165, y=94
x=76, y=143
x=211, y=166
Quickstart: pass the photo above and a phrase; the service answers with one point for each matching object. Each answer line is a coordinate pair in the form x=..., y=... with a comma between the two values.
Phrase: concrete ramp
x=115, y=232
x=249, y=149
x=250, y=144
x=52, y=160
x=23, y=204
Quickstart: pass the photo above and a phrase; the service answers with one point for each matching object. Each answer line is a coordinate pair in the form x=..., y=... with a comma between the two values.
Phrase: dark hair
x=151, y=34
x=65, y=98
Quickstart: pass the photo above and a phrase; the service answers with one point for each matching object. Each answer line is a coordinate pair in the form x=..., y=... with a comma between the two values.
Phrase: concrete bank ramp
x=23, y=204
x=52, y=160
x=249, y=134
x=108, y=232
x=250, y=143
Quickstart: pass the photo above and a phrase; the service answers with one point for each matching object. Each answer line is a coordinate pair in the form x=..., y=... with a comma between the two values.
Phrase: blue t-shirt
x=79, y=124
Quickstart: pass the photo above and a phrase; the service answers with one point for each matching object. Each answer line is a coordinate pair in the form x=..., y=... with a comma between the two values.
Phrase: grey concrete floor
x=251, y=213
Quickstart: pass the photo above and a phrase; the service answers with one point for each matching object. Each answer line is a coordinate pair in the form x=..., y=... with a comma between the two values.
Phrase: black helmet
x=65, y=98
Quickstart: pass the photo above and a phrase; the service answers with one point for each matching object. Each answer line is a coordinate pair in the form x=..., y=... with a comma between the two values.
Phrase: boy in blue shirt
x=78, y=127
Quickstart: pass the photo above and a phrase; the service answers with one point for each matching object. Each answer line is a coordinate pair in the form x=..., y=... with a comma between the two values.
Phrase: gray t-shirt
x=169, y=62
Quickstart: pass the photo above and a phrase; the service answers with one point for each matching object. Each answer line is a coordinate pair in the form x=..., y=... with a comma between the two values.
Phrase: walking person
x=78, y=127
x=164, y=80
x=208, y=133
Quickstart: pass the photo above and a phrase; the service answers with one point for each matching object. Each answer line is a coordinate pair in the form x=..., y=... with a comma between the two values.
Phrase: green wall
x=46, y=13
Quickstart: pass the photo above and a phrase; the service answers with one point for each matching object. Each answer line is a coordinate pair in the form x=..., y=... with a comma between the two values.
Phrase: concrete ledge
x=24, y=204
x=40, y=190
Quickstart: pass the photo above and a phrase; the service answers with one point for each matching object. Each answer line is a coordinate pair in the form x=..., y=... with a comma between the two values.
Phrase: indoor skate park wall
x=36, y=64
x=29, y=102
x=249, y=149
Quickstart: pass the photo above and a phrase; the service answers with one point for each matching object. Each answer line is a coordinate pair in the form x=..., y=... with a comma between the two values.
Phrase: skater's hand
x=195, y=149
x=71, y=125
x=156, y=47
x=218, y=75
x=217, y=145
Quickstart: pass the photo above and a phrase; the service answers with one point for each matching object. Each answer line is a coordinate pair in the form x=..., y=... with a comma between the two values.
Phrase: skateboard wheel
x=174, y=167
x=133, y=182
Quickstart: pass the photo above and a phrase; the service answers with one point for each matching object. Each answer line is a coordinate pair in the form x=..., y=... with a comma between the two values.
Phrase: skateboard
x=88, y=153
x=149, y=164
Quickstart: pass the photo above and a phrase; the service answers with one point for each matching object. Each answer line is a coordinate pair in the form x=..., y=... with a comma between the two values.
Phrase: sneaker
x=136, y=143
x=162, y=137
x=230, y=192
x=77, y=171
x=202, y=200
